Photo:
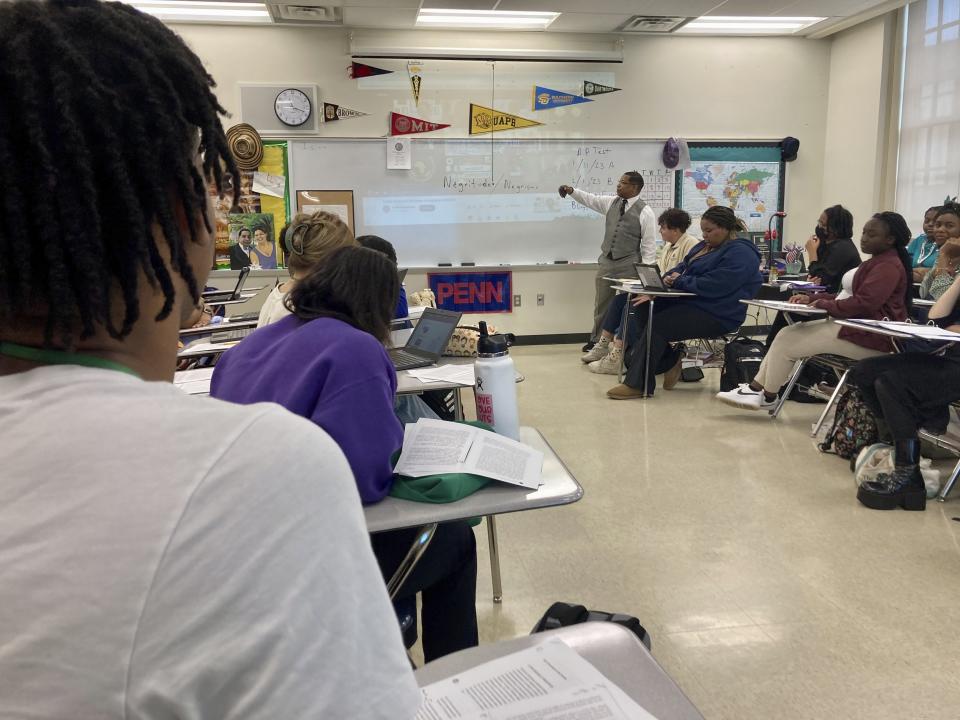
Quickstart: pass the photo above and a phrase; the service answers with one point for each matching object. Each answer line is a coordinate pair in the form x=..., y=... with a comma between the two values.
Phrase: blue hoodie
x=721, y=279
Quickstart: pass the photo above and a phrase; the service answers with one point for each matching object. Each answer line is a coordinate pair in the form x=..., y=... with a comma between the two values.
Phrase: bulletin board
x=338, y=202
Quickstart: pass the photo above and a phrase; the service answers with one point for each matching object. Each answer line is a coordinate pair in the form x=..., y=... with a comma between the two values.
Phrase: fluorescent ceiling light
x=732, y=25
x=486, y=19
x=197, y=11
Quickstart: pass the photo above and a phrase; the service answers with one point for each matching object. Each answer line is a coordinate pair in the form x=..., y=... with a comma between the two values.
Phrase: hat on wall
x=789, y=147
x=245, y=145
x=676, y=153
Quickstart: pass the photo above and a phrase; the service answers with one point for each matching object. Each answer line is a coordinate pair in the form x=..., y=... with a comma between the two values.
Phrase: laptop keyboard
x=230, y=335
x=403, y=360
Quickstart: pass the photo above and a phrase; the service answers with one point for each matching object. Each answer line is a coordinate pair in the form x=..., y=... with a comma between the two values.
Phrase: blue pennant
x=545, y=98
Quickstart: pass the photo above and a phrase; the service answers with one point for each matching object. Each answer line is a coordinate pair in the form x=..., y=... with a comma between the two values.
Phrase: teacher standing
x=629, y=237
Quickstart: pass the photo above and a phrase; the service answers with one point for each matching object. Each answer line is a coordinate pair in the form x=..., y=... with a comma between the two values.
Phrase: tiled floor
x=768, y=590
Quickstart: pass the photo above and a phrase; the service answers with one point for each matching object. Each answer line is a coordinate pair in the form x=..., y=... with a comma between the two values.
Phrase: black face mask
x=820, y=232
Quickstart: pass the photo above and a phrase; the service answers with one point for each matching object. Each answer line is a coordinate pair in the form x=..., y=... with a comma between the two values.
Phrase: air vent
x=653, y=24
x=312, y=14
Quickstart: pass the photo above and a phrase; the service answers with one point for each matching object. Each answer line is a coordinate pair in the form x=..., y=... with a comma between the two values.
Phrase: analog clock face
x=292, y=107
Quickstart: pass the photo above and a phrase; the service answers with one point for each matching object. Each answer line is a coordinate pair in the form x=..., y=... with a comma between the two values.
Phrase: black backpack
x=741, y=361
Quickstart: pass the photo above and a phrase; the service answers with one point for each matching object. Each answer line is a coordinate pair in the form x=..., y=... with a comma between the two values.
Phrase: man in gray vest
x=630, y=237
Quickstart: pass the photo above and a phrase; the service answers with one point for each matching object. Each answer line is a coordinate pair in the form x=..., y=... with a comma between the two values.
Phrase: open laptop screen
x=433, y=331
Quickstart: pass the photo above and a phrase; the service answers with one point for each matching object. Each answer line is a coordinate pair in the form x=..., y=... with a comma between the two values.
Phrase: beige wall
x=862, y=69
x=698, y=88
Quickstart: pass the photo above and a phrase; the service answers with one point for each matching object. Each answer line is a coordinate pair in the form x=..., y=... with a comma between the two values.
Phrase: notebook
x=427, y=341
x=218, y=295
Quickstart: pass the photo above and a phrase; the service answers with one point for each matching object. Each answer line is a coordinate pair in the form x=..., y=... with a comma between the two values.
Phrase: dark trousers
x=908, y=391
x=446, y=577
x=614, y=316
x=673, y=320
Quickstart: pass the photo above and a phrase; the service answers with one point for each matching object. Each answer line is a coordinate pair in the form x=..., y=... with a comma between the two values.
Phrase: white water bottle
x=496, y=388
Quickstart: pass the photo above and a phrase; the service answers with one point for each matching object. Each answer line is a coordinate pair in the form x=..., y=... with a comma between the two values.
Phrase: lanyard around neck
x=60, y=357
x=924, y=247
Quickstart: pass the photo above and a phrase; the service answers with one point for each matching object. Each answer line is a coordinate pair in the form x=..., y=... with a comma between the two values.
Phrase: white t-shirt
x=846, y=284
x=167, y=556
x=273, y=308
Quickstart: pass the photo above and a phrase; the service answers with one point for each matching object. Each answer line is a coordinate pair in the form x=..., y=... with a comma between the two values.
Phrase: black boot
x=903, y=487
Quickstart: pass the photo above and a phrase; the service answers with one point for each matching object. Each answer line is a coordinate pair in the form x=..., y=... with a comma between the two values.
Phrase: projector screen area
x=486, y=201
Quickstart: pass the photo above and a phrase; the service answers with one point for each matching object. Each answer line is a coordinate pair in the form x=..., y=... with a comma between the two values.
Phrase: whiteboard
x=487, y=201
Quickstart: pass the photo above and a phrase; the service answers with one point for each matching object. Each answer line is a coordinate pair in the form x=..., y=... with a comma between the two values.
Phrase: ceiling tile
x=368, y=17
x=581, y=22
x=460, y=4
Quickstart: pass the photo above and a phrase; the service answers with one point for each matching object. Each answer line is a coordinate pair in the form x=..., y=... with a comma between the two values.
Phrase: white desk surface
x=409, y=385
x=893, y=333
x=559, y=488
x=633, y=290
x=201, y=349
x=224, y=326
x=784, y=306
x=243, y=298
x=612, y=649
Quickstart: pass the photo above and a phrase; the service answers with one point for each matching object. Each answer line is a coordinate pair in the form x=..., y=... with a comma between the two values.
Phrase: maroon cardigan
x=879, y=289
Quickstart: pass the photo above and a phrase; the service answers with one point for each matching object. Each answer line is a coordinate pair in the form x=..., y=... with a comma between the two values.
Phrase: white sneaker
x=745, y=398
x=609, y=364
x=597, y=352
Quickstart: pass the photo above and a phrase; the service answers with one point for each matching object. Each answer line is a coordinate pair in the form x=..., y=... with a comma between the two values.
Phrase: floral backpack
x=854, y=426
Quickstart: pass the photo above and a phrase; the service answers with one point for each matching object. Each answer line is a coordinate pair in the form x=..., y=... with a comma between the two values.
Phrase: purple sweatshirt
x=331, y=373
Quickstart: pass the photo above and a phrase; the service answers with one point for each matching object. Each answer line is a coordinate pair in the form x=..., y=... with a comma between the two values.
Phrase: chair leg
x=494, y=558
x=797, y=369
x=412, y=557
x=833, y=398
x=948, y=486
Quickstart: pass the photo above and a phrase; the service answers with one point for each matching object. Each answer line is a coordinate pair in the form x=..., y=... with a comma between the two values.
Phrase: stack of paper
x=546, y=682
x=459, y=374
x=194, y=382
x=432, y=447
x=792, y=307
x=925, y=332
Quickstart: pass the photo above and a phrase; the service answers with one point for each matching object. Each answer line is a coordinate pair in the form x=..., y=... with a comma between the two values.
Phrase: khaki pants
x=608, y=268
x=803, y=340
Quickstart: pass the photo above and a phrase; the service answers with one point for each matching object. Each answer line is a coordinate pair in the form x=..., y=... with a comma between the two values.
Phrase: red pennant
x=406, y=125
x=359, y=70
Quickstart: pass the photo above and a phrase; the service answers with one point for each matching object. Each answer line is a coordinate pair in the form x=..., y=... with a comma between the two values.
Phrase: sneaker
x=588, y=347
x=745, y=398
x=609, y=364
x=597, y=352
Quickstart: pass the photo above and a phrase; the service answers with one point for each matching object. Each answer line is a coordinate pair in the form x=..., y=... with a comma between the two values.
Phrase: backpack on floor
x=562, y=614
x=854, y=426
x=741, y=361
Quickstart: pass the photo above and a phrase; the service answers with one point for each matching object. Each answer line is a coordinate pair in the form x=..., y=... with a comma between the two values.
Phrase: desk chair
x=839, y=364
x=950, y=442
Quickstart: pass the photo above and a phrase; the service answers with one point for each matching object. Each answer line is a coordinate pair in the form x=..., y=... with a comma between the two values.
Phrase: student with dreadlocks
x=881, y=289
x=151, y=570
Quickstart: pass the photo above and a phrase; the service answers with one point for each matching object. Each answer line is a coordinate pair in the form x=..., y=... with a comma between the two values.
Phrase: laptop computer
x=651, y=279
x=402, y=274
x=427, y=341
x=218, y=295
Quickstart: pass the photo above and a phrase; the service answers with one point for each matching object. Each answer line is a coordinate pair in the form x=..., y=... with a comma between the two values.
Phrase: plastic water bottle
x=496, y=388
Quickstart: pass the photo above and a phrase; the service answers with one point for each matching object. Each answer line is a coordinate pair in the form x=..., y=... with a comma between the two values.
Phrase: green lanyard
x=60, y=357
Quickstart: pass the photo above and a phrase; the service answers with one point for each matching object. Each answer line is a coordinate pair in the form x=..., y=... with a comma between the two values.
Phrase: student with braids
x=149, y=569
x=881, y=289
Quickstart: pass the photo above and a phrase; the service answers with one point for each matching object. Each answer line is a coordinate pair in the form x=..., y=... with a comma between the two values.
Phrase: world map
x=750, y=189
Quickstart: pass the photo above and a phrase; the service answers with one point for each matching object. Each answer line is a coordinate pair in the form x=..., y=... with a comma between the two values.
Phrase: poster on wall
x=750, y=189
x=337, y=202
x=262, y=192
x=473, y=292
x=252, y=243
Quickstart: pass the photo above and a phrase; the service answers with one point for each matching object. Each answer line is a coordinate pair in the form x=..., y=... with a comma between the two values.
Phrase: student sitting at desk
x=881, y=289
x=162, y=556
x=327, y=363
x=831, y=254
x=375, y=242
x=946, y=234
x=720, y=271
x=308, y=240
x=605, y=356
x=906, y=392
x=924, y=248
